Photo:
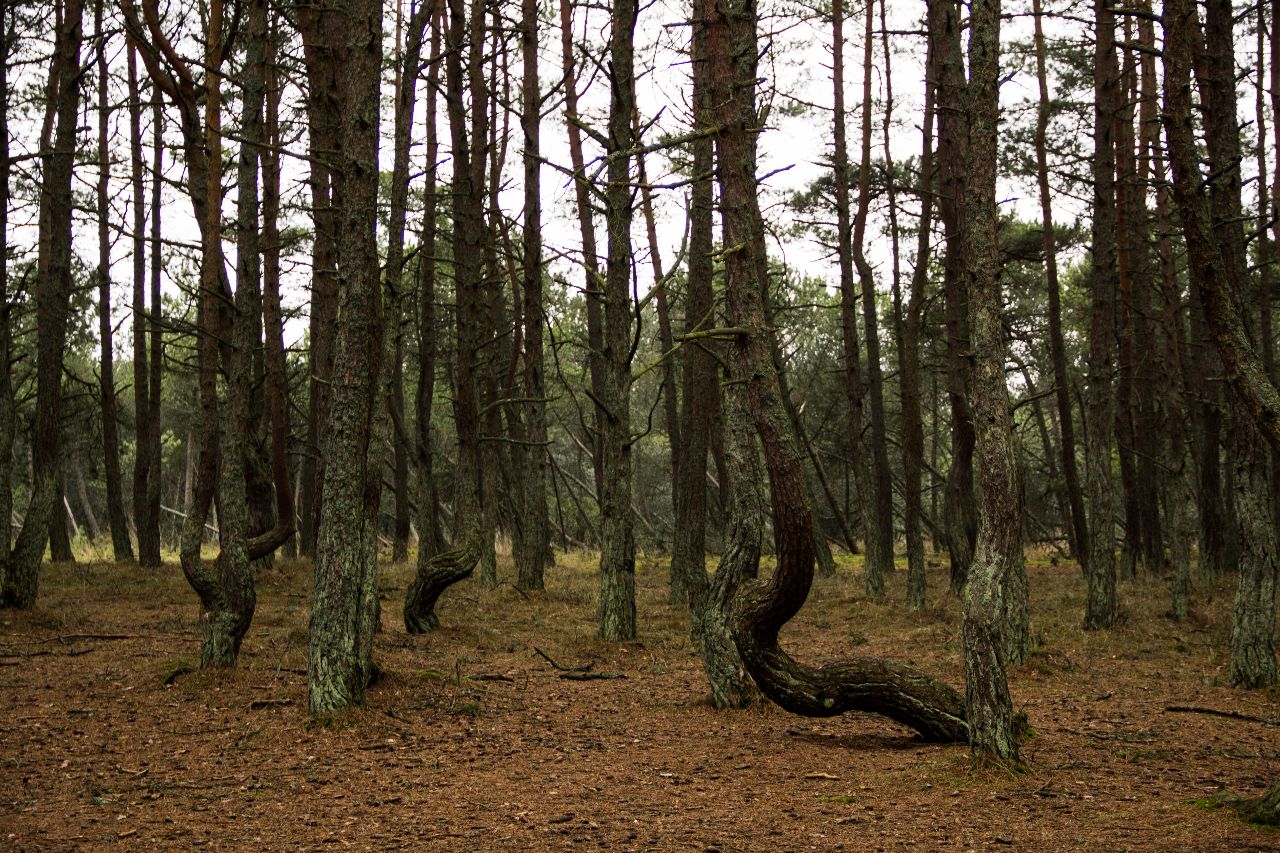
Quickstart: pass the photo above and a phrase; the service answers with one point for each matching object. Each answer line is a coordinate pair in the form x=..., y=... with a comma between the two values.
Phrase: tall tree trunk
x=853, y=388
x=322, y=139
x=430, y=540
x=879, y=561
x=157, y=318
x=275, y=363
x=7, y=413
x=992, y=639
x=348, y=35
x=147, y=525
x=1215, y=240
x=708, y=599
x=122, y=548
x=405, y=100
x=912, y=327
x=960, y=505
x=53, y=298
x=761, y=610
x=592, y=292
x=535, y=543
x=436, y=574
x=617, y=616
x=1101, y=608
x=1075, y=523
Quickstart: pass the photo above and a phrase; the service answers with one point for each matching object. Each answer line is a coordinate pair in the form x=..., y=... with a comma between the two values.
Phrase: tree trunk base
x=435, y=575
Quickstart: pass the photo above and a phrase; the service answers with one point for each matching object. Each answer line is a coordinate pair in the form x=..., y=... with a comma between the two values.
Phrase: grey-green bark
x=344, y=602
x=995, y=632
x=762, y=609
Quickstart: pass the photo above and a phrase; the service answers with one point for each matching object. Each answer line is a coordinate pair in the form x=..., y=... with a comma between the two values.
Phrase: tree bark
x=1214, y=234
x=405, y=100
x=534, y=553
x=959, y=508
x=617, y=614
x=122, y=547
x=344, y=610
x=430, y=540
x=1101, y=608
x=446, y=568
x=146, y=523
x=1077, y=529
x=8, y=416
x=879, y=561
x=995, y=629
x=761, y=610
x=52, y=297
x=853, y=388
x=912, y=327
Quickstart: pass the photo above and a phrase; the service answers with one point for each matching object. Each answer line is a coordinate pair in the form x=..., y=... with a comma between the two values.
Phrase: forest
x=729, y=424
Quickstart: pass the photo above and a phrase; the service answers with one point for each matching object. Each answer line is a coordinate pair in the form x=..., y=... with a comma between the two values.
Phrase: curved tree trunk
x=437, y=573
x=760, y=611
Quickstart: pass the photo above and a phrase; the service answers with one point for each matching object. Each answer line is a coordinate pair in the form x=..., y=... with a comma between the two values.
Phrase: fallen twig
x=583, y=668
x=1214, y=712
x=591, y=676
x=257, y=704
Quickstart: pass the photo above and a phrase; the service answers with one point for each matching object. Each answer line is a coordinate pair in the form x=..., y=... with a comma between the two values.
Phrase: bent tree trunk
x=761, y=610
x=441, y=571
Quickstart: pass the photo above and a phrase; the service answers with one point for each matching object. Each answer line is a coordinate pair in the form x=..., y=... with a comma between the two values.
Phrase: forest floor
x=473, y=741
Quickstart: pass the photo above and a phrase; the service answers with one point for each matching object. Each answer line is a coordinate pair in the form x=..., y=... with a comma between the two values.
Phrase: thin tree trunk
x=617, y=615
x=1101, y=608
x=854, y=392
x=7, y=414
x=912, y=416
x=1075, y=523
x=156, y=320
x=879, y=560
x=406, y=99
x=959, y=501
x=147, y=525
x=122, y=548
x=1215, y=238
x=535, y=551
x=592, y=292
x=430, y=540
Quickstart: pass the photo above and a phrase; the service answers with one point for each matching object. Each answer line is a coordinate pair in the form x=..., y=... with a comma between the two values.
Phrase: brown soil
x=472, y=741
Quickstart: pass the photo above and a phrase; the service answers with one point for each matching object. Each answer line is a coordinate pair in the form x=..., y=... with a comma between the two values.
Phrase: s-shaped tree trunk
x=900, y=692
